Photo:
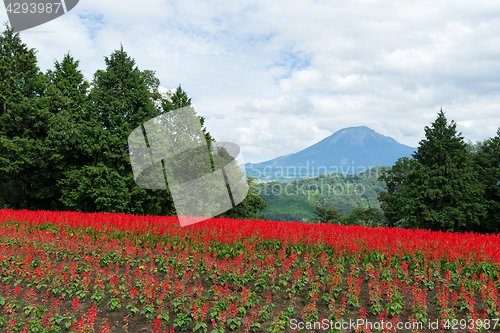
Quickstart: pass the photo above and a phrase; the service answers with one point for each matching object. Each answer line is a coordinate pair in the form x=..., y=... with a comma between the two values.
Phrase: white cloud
x=278, y=76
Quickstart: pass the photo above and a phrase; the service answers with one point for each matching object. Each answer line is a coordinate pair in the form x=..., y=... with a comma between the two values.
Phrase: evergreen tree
x=122, y=98
x=487, y=162
x=169, y=102
x=65, y=148
x=394, y=198
x=442, y=191
x=65, y=98
x=23, y=126
x=175, y=100
x=118, y=102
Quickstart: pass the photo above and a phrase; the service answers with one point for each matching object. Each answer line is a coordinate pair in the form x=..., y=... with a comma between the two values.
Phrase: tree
x=63, y=147
x=122, y=99
x=23, y=126
x=486, y=158
x=441, y=191
x=118, y=102
x=65, y=99
x=444, y=184
x=179, y=99
x=252, y=206
x=369, y=216
x=279, y=216
x=394, y=198
x=327, y=214
x=176, y=100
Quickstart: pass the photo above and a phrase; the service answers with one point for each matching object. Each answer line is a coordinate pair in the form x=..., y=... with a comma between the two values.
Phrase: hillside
x=295, y=201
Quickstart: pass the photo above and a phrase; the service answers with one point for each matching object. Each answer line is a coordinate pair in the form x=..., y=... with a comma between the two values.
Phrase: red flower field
x=77, y=272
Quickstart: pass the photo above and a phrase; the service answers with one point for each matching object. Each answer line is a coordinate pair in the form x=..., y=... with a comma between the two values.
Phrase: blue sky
x=278, y=76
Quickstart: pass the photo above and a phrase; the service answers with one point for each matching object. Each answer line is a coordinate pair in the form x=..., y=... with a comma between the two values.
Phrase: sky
x=277, y=76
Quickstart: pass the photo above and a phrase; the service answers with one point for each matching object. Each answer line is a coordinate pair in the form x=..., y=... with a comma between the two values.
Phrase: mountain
x=348, y=151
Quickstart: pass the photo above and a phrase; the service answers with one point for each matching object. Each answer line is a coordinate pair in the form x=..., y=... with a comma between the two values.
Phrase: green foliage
x=119, y=101
x=327, y=214
x=486, y=159
x=114, y=304
x=23, y=126
x=279, y=216
x=369, y=216
x=394, y=199
x=437, y=189
x=179, y=99
x=444, y=184
x=65, y=98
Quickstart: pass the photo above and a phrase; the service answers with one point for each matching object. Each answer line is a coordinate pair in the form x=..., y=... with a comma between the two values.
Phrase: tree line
x=64, y=140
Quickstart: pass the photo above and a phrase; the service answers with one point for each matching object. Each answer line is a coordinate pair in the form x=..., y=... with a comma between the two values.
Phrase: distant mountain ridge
x=349, y=150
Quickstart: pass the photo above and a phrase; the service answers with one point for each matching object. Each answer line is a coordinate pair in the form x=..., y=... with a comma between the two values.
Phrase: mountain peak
x=359, y=147
x=356, y=136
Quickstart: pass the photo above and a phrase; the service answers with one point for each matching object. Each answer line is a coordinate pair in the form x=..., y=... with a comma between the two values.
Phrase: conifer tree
x=394, y=199
x=252, y=206
x=442, y=191
x=23, y=126
x=487, y=162
x=118, y=102
x=65, y=99
x=63, y=147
